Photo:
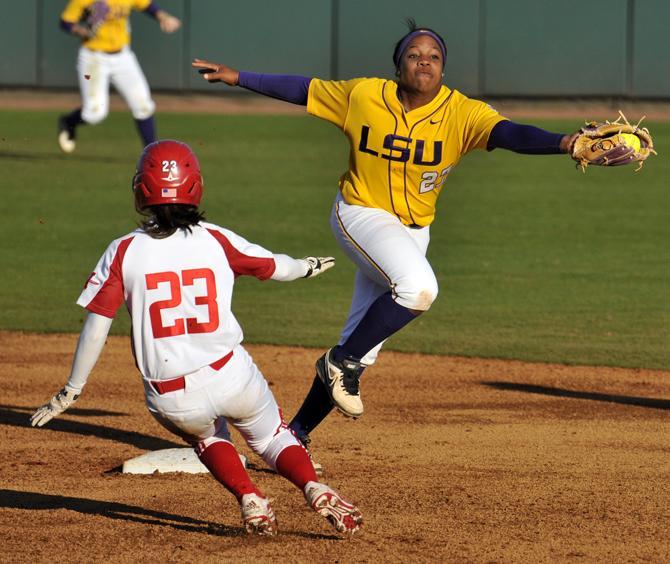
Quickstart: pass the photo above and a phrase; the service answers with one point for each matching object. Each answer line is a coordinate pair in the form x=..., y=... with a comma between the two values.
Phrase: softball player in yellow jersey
x=406, y=135
x=105, y=57
x=401, y=158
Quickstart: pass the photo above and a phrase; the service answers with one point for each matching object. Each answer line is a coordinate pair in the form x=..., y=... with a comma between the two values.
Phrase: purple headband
x=403, y=45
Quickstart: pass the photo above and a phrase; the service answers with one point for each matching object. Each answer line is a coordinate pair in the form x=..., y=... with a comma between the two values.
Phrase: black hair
x=163, y=220
x=412, y=27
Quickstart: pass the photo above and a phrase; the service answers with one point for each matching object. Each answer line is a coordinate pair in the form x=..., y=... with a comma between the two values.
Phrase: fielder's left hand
x=57, y=405
x=317, y=265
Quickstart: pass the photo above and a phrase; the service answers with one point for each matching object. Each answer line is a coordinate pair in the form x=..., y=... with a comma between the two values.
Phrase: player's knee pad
x=417, y=293
x=279, y=442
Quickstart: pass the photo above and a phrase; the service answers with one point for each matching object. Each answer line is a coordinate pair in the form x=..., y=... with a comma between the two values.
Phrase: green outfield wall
x=535, y=48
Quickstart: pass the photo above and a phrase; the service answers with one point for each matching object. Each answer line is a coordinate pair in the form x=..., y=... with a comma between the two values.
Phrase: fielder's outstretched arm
x=91, y=342
x=528, y=139
x=286, y=87
x=516, y=137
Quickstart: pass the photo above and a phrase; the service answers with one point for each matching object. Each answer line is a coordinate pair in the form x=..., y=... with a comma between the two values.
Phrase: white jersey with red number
x=178, y=291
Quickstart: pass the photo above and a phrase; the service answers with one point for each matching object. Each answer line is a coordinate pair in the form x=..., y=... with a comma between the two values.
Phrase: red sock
x=293, y=463
x=223, y=461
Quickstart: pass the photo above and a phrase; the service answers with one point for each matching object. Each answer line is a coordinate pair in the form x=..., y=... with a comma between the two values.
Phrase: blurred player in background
x=105, y=57
x=175, y=274
x=406, y=136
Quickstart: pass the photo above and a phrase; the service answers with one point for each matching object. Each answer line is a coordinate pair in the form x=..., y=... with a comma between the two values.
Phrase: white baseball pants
x=389, y=256
x=237, y=393
x=96, y=70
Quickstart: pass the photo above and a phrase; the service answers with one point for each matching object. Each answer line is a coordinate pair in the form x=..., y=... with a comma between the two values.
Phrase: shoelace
x=351, y=380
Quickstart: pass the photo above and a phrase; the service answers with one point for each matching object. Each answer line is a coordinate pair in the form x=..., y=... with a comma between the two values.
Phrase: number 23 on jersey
x=179, y=284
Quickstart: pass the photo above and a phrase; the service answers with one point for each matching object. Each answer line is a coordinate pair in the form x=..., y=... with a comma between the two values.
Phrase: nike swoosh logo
x=435, y=122
x=331, y=379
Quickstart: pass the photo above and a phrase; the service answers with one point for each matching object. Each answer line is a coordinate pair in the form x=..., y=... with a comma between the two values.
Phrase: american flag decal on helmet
x=169, y=192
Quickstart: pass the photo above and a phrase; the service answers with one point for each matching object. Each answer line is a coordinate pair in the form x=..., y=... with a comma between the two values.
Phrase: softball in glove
x=612, y=144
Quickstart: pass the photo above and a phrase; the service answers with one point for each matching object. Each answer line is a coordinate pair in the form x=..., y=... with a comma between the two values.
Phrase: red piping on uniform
x=111, y=294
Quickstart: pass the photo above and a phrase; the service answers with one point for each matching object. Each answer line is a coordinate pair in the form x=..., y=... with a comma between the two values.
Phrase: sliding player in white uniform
x=175, y=274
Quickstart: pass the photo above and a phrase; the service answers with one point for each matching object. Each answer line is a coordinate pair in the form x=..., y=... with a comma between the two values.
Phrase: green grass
x=535, y=260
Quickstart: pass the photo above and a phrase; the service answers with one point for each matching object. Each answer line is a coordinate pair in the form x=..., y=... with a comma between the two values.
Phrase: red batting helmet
x=168, y=172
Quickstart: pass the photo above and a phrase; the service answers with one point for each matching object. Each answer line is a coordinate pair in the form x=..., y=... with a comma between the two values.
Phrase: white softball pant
x=389, y=256
x=237, y=393
x=123, y=71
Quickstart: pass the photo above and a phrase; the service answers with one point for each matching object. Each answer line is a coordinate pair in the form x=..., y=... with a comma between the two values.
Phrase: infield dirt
x=455, y=459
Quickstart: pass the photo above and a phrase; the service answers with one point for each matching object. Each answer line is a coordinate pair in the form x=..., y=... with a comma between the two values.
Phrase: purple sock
x=384, y=318
x=314, y=409
x=147, y=129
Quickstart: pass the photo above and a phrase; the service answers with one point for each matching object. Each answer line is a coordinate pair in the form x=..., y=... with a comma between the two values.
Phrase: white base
x=168, y=460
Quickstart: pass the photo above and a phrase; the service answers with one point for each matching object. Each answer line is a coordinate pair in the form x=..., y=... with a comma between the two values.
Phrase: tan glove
x=612, y=144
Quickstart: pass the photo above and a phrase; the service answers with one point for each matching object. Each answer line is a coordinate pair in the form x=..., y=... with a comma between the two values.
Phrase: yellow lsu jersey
x=400, y=160
x=113, y=34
